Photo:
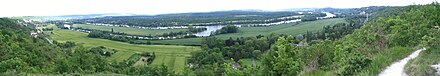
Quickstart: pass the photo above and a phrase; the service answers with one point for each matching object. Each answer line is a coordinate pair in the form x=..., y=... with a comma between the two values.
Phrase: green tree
x=281, y=59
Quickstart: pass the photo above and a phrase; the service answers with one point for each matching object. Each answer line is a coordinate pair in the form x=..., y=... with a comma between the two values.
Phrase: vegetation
x=357, y=44
x=426, y=19
x=354, y=48
x=21, y=53
x=125, y=50
x=227, y=29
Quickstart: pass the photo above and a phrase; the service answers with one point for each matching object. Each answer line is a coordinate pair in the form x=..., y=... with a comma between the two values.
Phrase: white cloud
x=64, y=7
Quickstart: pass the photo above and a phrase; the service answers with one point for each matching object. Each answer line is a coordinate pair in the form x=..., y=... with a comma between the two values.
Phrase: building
x=34, y=34
x=67, y=26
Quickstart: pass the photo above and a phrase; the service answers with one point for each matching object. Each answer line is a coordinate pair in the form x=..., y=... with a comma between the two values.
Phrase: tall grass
x=421, y=66
x=384, y=59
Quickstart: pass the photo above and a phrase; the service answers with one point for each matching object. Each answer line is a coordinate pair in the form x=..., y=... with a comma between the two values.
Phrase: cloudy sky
x=68, y=7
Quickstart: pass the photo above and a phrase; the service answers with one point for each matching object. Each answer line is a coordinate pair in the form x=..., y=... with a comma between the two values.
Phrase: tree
x=281, y=60
x=229, y=42
x=299, y=37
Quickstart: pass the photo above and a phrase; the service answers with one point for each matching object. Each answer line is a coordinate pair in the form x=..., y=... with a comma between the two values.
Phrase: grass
x=131, y=31
x=421, y=65
x=120, y=56
x=167, y=52
x=379, y=62
x=140, y=62
x=186, y=41
x=385, y=59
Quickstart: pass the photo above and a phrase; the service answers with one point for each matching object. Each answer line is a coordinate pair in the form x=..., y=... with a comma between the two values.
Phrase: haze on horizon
x=152, y=7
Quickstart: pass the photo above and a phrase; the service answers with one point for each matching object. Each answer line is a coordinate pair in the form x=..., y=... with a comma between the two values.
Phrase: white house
x=67, y=26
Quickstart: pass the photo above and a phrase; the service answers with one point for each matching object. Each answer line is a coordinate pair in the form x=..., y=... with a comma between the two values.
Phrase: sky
x=151, y=7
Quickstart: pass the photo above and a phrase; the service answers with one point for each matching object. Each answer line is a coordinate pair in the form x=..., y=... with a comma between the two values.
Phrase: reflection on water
x=208, y=31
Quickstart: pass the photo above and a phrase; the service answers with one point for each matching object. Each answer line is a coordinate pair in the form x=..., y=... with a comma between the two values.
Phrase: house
x=34, y=34
x=67, y=26
x=236, y=66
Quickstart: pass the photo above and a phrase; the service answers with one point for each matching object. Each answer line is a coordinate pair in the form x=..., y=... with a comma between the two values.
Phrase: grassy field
x=132, y=31
x=170, y=55
x=186, y=41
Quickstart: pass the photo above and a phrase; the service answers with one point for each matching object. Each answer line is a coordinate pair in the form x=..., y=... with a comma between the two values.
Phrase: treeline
x=312, y=17
x=331, y=32
x=20, y=53
x=227, y=29
x=108, y=35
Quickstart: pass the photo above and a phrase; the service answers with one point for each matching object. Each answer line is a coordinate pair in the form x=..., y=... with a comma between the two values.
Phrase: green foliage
x=282, y=59
x=205, y=57
x=318, y=55
x=132, y=59
x=248, y=71
x=421, y=66
x=22, y=53
x=348, y=60
x=227, y=29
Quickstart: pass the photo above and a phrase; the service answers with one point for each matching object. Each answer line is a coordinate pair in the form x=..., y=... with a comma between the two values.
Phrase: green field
x=131, y=31
x=186, y=41
x=170, y=55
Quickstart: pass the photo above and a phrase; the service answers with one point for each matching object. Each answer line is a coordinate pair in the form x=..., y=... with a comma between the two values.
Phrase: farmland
x=169, y=55
x=131, y=31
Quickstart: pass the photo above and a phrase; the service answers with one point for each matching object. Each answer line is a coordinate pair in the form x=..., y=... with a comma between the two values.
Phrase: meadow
x=170, y=55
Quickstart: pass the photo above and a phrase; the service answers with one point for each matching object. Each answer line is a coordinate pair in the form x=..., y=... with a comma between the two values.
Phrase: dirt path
x=396, y=69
